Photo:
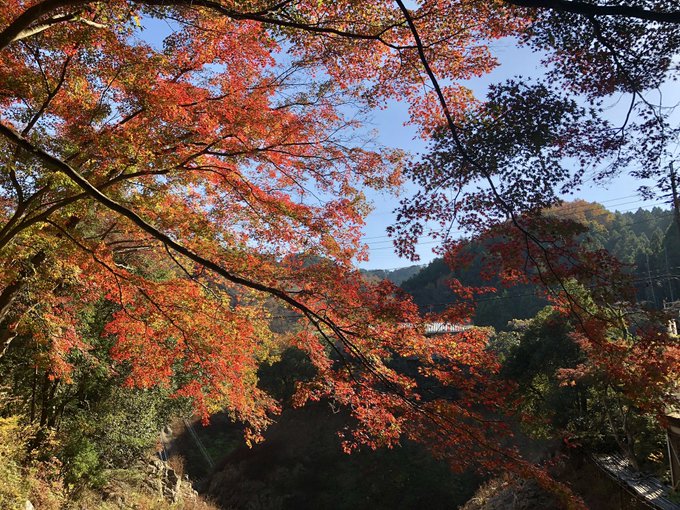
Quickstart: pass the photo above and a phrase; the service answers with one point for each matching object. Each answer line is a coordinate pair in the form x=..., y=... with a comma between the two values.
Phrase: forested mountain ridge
x=396, y=276
x=644, y=239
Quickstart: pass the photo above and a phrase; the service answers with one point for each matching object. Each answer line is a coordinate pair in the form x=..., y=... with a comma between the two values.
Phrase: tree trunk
x=7, y=298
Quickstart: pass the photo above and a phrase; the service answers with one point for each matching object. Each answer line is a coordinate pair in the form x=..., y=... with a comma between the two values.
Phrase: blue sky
x=389, y=123
x=618, y=194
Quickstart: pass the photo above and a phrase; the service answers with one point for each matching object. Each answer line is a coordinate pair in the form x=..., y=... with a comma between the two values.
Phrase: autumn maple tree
x=190, y=185
x=208, y=183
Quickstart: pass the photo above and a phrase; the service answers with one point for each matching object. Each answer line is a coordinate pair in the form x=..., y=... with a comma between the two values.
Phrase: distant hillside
x=396, y=276
x=645, y=239
x=432, y=294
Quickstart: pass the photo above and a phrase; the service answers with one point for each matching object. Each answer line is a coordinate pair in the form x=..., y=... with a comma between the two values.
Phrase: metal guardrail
x=440, y=328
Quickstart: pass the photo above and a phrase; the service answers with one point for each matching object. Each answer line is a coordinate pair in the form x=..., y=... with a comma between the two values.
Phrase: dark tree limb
x=592, y=9
x=28, y=20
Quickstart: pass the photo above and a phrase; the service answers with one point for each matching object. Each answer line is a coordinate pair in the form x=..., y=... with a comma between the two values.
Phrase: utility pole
x=651, y=283
x=676, y=214
x=674, y=190
x=668, y=272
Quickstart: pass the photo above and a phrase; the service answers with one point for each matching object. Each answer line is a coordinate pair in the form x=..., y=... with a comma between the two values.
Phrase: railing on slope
x=646, y=488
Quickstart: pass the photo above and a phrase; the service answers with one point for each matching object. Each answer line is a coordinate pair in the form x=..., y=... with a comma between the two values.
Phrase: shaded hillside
x=301, y=465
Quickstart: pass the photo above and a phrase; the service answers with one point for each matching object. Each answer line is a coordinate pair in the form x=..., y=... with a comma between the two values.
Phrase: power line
x=641, y=279
x=563, y=213
x=658, y=274
x=574, y=206
x=570, y=207
x=423, y=243
x=199, y=443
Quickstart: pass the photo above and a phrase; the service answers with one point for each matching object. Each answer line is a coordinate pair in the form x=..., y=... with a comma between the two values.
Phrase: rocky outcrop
x=505, y=493
x=163, y=480
x=160, y=480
